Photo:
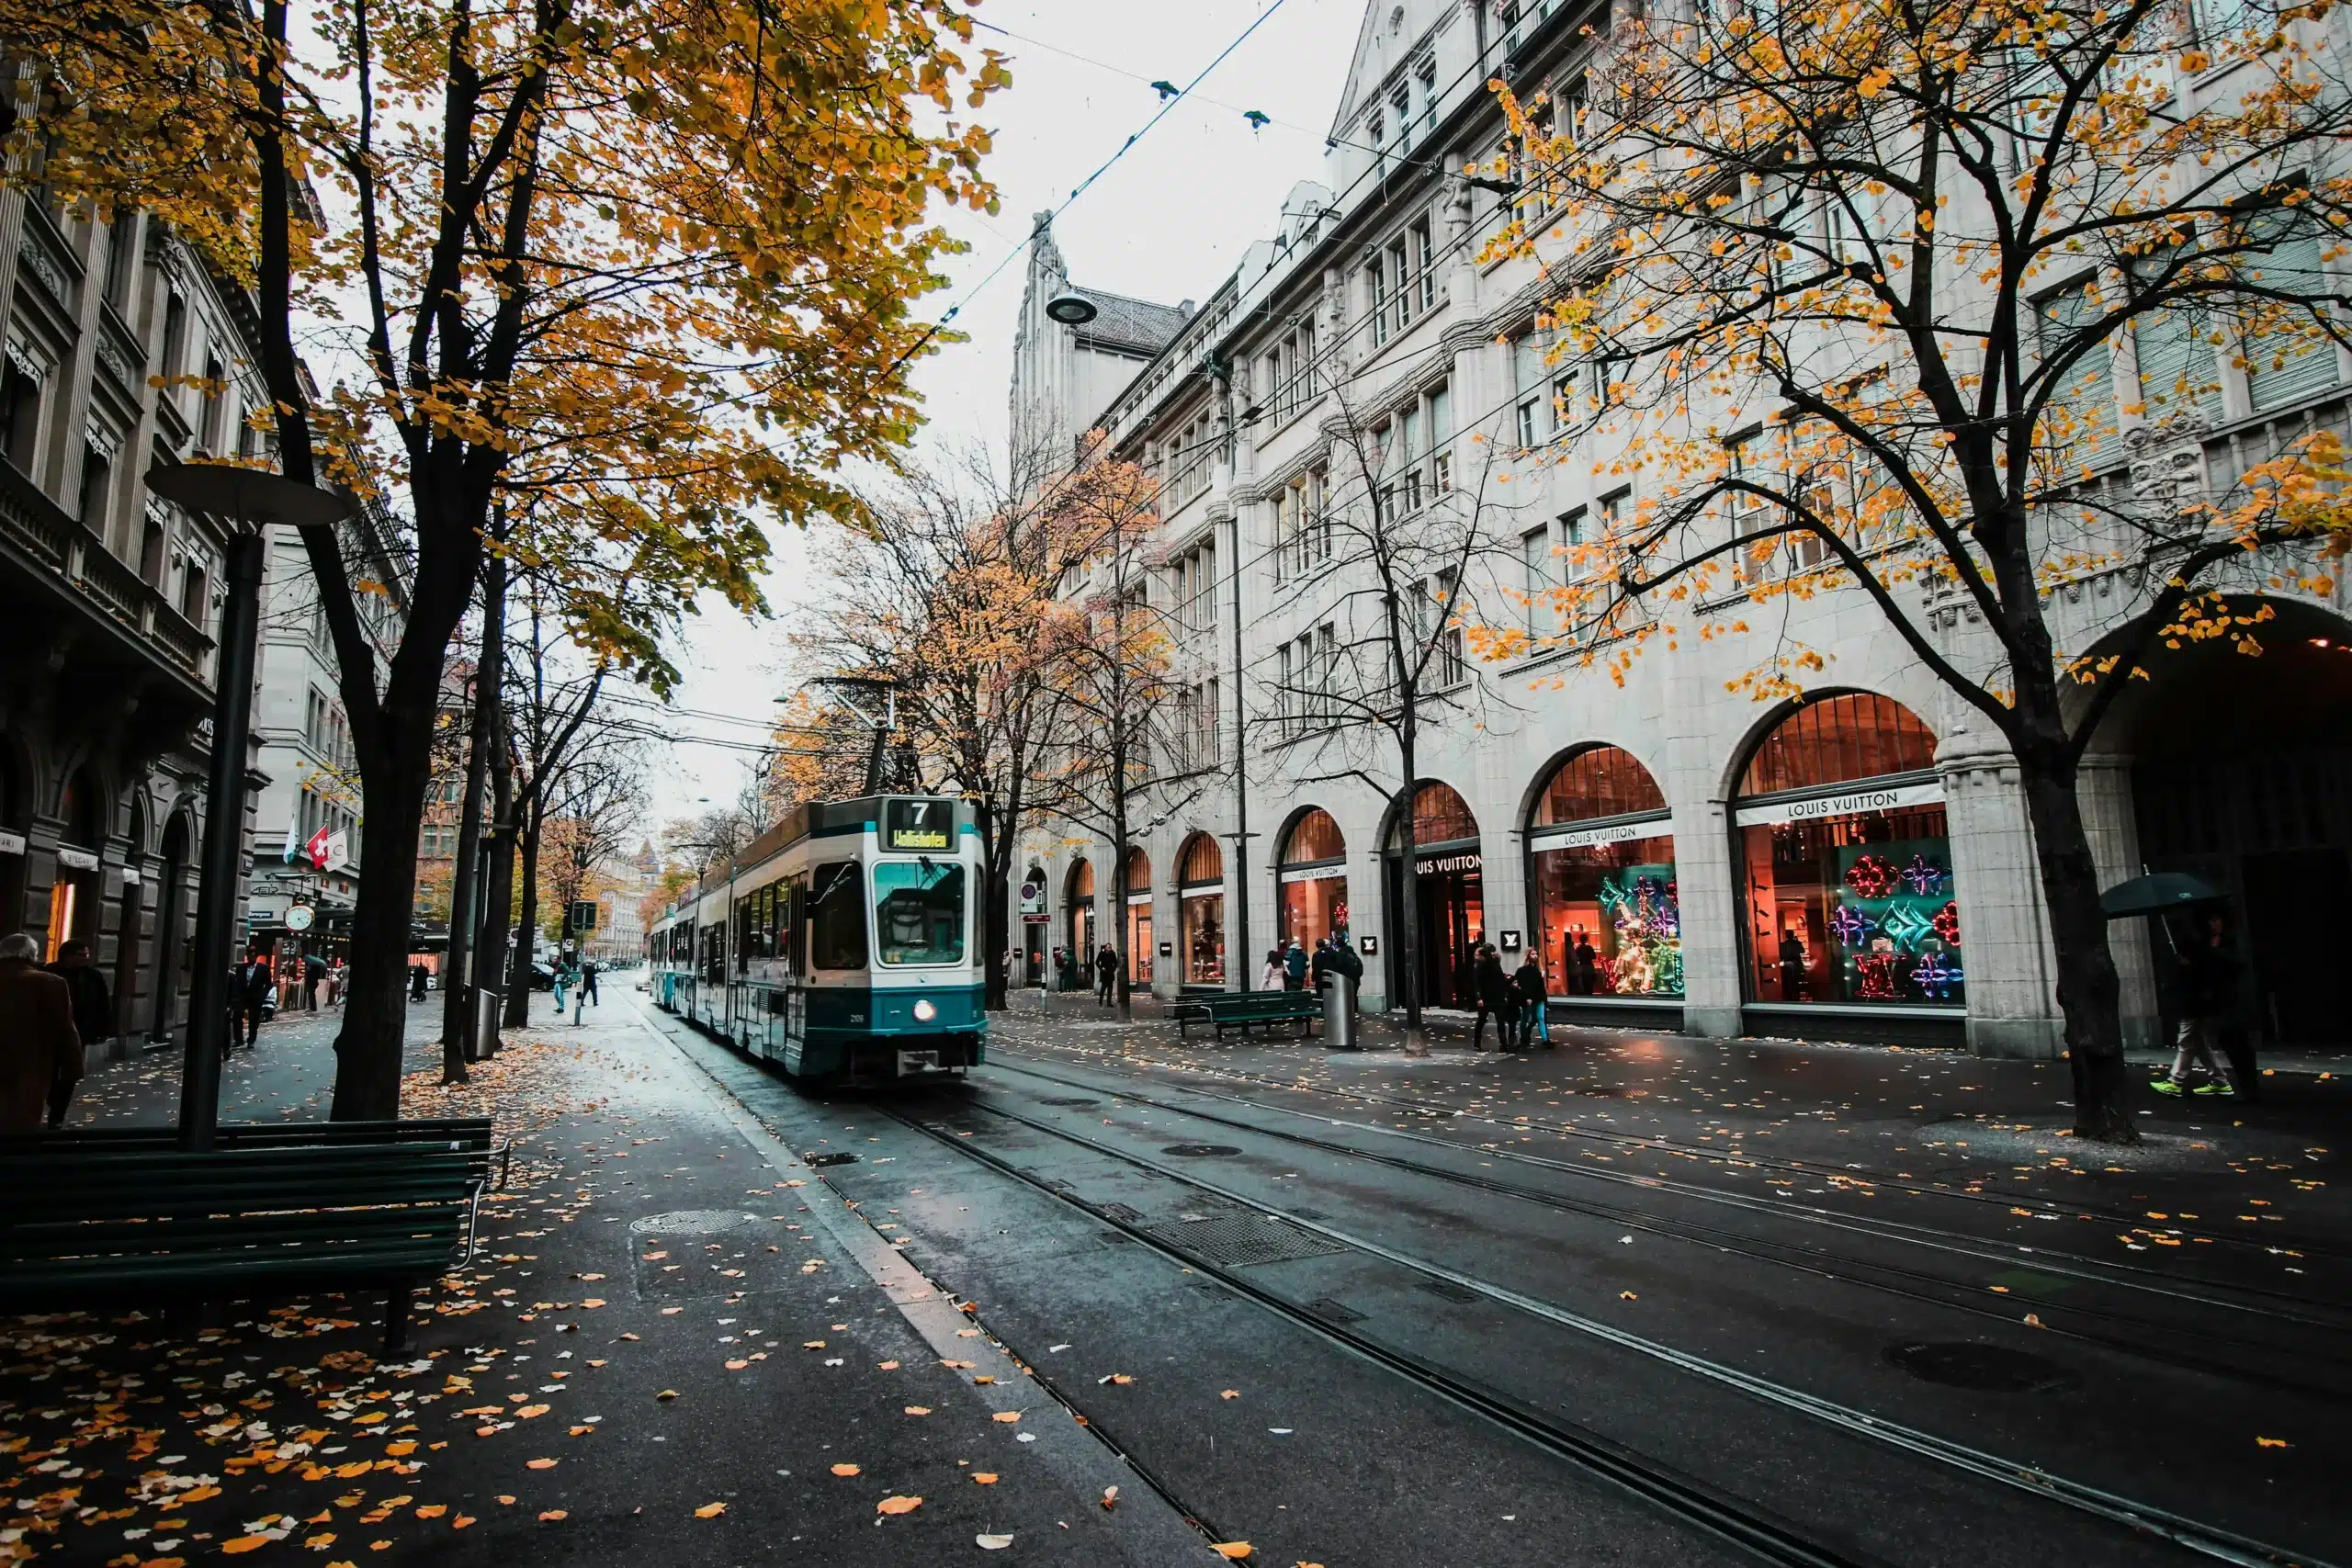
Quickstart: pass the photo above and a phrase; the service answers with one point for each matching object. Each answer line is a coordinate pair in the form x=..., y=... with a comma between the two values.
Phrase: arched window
x=1079, y=910
x=1312, y=880
x=1449, y=900
x=1439, y=817
x=1081, y=881
x=1137, y=916
x=1602, y=883
x=1200, y=884
x=1848, y=884
x=1138, y=873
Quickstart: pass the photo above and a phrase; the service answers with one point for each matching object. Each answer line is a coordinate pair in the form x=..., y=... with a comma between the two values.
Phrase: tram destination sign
x=918, y=825
x=1847, y=803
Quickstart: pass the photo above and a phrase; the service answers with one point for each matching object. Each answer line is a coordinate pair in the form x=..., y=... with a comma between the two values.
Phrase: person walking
x=248, y=997
x=1494, y=1000
x=1274, y=977
x=588, y=981
x=563, y=984
x=40, y=1047
x=93, y=1003
x=1585, y=967
x=1294, y=967
x=416, y=977
x=1534, y=1024
x=2205, y=983
x=1106, y=974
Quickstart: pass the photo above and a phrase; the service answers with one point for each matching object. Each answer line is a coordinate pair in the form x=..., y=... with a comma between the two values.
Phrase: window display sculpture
x=1647, y=918
x=1849, y=925
x=1925, y=876
x=1877, y=973
x=1872, y=877
x=1934, y=977
x=1946, y=924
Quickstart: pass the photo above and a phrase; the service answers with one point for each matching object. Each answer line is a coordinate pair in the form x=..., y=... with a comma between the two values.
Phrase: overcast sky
x=1167, y=223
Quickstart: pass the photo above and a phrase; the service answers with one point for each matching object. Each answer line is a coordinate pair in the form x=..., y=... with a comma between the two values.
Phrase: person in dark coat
x=1584, y=967
x=248, y=994
x=588, y=981
x=1533, y=1027
x=92, y=1002
x=1494, y=997
x=1294, y=965
x=38, y=1046
x=2205, y=988
x=416, y=979
x=1106, y=974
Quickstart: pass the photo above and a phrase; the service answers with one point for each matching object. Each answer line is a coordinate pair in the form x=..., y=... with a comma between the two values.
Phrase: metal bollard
x=1339, y=1013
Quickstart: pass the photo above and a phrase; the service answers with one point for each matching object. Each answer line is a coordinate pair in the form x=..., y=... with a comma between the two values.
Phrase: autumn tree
x=599, y=807
x=1873, y=295
x=946, y=593
x=651, y=260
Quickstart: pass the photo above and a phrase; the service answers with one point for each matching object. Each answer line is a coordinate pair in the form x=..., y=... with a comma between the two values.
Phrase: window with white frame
x=1196, y=584
x=1532, y=414
x=1535, y=575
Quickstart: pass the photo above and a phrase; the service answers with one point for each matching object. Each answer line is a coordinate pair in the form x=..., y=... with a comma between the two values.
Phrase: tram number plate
x=917, y=1062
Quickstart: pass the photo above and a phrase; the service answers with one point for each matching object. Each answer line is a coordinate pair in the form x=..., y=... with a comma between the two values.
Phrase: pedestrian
x=1792, y=964
x=38, y=1046
x=93, y=1003
x=1534, y=1024
x=338, y=981
x=567, y=981
x=314, y=981
x=1274, y=977
x=1061, y=969
x=248, y=995
x=1493, y=998
x=2205, y=984
x=588, y=981
x=1294, y=967
x=1585, y=967
x=416, y=982
x=1106, y=974
x=1319, y=966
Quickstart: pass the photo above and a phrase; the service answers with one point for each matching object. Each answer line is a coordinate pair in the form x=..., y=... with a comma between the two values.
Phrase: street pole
x=246, y=501
x=457, y=1043
x=1238, y=966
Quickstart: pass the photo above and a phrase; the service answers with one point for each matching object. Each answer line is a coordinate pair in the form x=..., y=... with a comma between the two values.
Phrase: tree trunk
x=1119, y=922
x=369, y=1047
x=1406, y=939
x=2088, y=992
x=996, y=862
x=497, y=905
x=526, y=924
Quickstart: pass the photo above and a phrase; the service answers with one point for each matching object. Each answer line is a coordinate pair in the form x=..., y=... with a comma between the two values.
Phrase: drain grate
x=691, y=1222
x=1447, y=1290
x=1238, y=1241
x=1983, y=1369
x=1201, y=1151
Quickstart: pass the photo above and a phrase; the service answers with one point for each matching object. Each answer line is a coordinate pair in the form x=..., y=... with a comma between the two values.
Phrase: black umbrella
x=2156, y=894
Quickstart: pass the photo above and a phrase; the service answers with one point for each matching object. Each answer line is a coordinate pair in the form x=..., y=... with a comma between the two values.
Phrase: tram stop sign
x=583, y=914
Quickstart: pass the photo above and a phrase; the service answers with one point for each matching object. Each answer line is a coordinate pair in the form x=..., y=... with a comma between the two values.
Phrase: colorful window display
x=1849, y=880
x=1312, y=880
x=1200, y=888
x=1600, y=868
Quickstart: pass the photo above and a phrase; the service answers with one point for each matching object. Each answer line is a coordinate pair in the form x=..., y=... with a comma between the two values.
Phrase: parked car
x=542, y=975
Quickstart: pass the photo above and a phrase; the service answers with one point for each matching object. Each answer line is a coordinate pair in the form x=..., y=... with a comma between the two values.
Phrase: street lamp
x=243, y=502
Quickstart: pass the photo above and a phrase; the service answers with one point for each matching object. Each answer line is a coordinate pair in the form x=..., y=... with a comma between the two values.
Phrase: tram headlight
x=924, y=1011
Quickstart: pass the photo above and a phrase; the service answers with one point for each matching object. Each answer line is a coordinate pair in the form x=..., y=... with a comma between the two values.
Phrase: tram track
x=1941, y=1289
x=1762, y=1535
x=1846, y=1176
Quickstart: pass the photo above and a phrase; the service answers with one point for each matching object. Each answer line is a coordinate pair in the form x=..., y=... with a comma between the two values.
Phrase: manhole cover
x=819, y=1160
x=1984, y=1369
x=691, y=1222
x=1237, y=1241
x=1073, y=1104
x=1200, y=1151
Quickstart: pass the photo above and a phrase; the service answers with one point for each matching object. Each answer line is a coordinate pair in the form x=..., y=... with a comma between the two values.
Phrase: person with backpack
x=1294, y=967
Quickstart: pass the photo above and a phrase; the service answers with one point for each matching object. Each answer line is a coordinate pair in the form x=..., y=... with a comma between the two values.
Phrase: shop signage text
x=1470, y=862
x=1214, y=890
x=80, y=860
x=1312, y=873
x=1610, y=833
x=1848, y=804
x=12, y=843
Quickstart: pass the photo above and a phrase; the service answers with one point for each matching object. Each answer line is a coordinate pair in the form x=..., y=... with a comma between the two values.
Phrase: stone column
x=2104, y=786
x=2004, y=940
x=1706, y=872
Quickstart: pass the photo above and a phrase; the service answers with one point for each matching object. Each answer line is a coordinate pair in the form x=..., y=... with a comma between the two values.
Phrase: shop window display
x=1849, y=880
x=1200, y=873
x=1313, y=881
x=1600, y=864
x=1138, y=918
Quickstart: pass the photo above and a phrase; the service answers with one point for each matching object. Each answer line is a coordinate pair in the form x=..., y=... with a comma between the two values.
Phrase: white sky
x=1167, y=223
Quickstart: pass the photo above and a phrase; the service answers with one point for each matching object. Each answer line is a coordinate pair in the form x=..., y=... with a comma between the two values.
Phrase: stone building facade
x=1858, y=866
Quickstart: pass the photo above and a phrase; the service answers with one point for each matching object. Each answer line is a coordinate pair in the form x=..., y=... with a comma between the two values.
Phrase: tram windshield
x=919, y=911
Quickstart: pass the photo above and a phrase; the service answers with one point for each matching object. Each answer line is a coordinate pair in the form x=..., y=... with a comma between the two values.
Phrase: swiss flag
x=317, y=850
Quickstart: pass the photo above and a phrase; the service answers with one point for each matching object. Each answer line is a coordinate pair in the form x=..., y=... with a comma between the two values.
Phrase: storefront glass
x=1449, y=897
x=1848, y=877
x=1138, y=887
x=1080, y=935
x=1600, y=865
x=1200, y=886
x=1313, y=881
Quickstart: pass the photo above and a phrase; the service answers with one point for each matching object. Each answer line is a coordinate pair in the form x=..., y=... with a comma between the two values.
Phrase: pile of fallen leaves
x=126, y=1442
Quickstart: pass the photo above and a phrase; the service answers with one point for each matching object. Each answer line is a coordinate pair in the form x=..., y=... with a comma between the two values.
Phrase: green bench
x=1247, y=1010
x=470, y=1133
x=115, y=1224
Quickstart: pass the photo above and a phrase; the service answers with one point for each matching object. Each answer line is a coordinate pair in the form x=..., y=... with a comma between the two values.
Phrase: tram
x=839, y=945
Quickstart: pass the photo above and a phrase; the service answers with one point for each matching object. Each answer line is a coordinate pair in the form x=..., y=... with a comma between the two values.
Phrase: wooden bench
x=129, y=1226
x=470, y=1135
x=1246, y=1009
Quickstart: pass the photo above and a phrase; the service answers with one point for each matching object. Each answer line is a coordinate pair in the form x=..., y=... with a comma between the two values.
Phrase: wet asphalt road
x=1508, y=1323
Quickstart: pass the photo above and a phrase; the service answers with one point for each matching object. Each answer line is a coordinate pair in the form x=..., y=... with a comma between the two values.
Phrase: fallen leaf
x=845, y=1470
x=1121, y=1379
x=244, y=1543
x=737, y=1366
x=591, y=1277
x=1007, y=1417
x=992, y=1542
x=2270, y=1442
x=1230, y=1393
x=812, y=1344
x=667, y=1393
x=592, y=1301
x=671, y=1312
x=506, y=1499
x=541, y=1465
x=528, y=1411
x=983, y=1378
x=629, y=1336
x=888, y=1366
x=578, y=1431
x=710, y=1510
x=2034, y=1320
x=918, y=1409
x=984, y=1477
x=1109, y=1497
x=462, y=1521
x=201, y=1493
x=1234, y=1551
x=399, y=1451
x=595, y=1363
x=432, y=1510
x=553, y=1514
x=1627, y=1296
x=897, y=1505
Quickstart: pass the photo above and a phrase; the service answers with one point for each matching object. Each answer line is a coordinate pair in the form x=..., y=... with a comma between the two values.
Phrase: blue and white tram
x=840, y=944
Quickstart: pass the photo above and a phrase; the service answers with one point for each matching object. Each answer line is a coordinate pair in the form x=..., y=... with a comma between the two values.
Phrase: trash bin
x=1339, y=1012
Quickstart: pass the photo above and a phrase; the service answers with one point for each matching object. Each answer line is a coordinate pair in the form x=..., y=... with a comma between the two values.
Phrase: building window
x=1311, y=873
x=1602, y=881
x=1535, y=573
x=1376, y=288
x=97, y=473
x=1848, y=884
x=1137, y=917
x=215, y=404
x=20, y=409
x=1200, y=888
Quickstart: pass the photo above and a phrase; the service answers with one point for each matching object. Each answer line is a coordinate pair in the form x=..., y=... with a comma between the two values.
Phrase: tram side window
x=837, y=917
x=792, y=923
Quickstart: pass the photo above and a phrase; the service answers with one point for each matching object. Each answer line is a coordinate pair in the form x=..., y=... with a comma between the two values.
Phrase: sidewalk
x=669, y=1348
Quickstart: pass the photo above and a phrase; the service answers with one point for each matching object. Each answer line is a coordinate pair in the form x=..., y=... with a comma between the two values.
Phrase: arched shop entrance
x=1600, y=880
x=1846, y=866
x=1311, y=880
x=1138, y=918
x=2242, y=777
x=1078, y=909
x=1450, y=893
x=1200, y=892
